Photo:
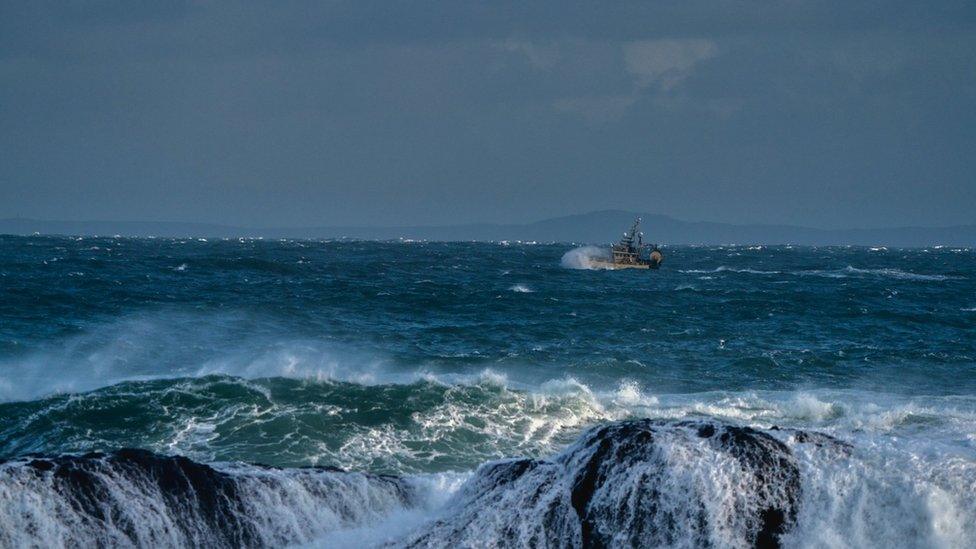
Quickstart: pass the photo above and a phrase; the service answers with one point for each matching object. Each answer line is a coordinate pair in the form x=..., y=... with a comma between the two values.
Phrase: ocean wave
x=897, y=274
x=724, y=269
x=426, y=426
x=176, y=344
x=845, y=272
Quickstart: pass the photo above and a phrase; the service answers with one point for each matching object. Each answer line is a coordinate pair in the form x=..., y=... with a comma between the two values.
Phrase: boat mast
x=627, y=242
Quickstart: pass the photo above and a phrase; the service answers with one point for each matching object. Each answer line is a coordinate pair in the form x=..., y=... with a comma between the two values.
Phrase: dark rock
x=821, y=440
x=640, y=483
x=197, y=504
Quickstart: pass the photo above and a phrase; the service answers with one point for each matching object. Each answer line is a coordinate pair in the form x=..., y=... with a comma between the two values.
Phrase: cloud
x=657, y=67
x=665, y=63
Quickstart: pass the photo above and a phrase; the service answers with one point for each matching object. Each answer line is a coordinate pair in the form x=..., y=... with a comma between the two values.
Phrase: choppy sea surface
x=420, y=369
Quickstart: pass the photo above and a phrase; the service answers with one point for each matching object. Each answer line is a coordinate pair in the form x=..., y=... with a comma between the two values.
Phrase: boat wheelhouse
x=631, y=252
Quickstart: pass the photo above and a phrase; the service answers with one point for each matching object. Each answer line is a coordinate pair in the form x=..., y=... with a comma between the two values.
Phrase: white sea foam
x=433, y=491
x=885, y=495
x=521, y=289
x=630, y=394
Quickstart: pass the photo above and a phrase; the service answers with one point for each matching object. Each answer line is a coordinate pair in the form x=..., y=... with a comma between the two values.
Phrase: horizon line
x=482, y=223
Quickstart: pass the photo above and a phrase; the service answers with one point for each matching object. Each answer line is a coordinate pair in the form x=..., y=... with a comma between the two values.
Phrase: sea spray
x=582, y=257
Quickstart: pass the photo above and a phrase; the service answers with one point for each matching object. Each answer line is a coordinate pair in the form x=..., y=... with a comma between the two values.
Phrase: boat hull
x=596, y=264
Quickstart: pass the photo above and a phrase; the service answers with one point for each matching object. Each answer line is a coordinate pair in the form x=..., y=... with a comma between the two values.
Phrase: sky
x=830, y=114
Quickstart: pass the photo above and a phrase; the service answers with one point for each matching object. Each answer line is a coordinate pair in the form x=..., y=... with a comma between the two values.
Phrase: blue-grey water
x=426, y=360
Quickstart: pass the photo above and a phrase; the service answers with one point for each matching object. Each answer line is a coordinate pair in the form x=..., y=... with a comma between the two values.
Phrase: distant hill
x=594, y=227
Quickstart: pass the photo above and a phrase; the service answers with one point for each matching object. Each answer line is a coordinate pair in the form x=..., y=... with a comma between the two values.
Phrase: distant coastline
x=593, y=227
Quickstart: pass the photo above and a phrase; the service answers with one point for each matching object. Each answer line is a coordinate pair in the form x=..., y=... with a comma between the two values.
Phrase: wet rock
x=641, y=483
x=821, y=440
x=134, y=497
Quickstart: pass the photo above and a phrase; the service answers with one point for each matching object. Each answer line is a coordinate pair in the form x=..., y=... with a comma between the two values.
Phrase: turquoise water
x=430, y=359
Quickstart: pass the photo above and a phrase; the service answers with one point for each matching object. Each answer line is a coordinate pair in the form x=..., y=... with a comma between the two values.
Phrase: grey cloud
x=656, y=67
x=665, y=63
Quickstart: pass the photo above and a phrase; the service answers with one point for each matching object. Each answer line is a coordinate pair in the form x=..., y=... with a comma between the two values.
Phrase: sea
x=159, y=392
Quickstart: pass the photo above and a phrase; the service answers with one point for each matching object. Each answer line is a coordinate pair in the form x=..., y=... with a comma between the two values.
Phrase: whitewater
x=228, y=393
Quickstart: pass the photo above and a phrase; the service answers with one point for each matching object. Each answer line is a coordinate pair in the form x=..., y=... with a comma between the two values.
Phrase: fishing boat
x=631, y=252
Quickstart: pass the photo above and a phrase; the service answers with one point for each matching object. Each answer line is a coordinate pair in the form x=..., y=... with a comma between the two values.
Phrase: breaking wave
x=426, y=426
x=422, y=426
x=897, y=274
x=723, y=268
x=846, y=272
